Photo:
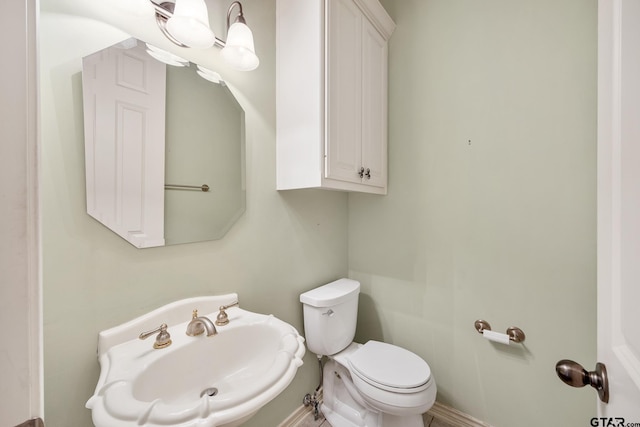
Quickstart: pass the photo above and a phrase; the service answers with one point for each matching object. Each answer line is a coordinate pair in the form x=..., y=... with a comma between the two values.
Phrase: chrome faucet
x=200, y=324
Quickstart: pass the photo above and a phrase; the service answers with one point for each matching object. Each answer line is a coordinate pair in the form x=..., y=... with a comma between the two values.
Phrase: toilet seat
x=390, y=367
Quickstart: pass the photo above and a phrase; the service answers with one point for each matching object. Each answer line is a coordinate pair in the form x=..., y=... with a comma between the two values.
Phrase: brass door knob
x=573, y=374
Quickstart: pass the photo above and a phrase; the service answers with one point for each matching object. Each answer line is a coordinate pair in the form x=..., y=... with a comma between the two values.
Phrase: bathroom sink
x=221, y=380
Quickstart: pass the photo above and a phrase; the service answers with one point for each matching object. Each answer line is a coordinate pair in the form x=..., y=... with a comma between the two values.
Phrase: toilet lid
x=389, y=365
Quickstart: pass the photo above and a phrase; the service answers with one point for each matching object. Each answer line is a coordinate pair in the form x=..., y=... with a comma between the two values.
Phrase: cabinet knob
x=364, y=173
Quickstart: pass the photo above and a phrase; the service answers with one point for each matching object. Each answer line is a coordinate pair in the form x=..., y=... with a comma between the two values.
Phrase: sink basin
x=222, y=380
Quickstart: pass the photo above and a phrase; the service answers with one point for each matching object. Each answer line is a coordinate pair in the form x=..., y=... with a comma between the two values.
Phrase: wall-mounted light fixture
x=186, y=24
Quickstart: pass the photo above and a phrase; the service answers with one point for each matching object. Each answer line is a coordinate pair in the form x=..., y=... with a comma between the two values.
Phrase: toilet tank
x=330, y=316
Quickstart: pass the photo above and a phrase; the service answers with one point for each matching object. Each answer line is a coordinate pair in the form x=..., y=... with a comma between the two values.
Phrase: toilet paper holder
x=515, y=334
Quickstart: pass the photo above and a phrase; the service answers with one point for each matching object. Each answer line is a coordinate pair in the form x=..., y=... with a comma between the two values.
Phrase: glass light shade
x=190, y=24
x=239, y=51
x=166, y=57
x=210, y=75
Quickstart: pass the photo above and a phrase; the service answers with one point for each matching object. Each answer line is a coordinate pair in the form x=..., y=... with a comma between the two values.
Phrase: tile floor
x=429, y=421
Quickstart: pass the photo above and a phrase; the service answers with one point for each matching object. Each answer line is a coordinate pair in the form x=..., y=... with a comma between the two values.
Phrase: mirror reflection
x=155, y=136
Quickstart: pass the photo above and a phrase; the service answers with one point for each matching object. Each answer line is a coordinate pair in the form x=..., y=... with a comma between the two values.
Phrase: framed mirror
x=164, y=148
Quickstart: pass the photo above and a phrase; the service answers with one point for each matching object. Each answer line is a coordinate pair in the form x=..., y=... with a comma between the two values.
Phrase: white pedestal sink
x=221, y=381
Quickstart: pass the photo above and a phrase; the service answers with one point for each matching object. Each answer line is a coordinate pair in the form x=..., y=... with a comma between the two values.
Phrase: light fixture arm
x=238, y=18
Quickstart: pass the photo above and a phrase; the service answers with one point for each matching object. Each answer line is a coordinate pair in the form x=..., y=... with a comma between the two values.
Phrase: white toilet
x=370, y=385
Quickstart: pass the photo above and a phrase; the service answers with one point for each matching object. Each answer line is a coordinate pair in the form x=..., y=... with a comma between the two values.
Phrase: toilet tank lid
x=332, y=293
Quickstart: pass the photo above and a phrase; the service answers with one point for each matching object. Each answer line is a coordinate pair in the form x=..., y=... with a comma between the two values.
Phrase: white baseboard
x=454, y=417
x=297, y=416
x=442, y=412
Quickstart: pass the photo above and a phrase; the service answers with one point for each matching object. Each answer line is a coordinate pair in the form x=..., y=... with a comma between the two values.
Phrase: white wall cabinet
x=331, y=94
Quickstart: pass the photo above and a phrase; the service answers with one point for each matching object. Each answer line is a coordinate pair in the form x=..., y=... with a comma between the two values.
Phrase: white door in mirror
x=124, y=95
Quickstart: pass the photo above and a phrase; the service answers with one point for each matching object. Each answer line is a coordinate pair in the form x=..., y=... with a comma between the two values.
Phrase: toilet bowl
x=374, y=384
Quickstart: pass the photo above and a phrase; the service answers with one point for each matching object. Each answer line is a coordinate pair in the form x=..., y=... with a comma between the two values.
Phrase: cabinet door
x=374, y=106
x=343, y=133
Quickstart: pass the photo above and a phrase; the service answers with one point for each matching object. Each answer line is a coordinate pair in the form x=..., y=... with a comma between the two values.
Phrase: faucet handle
x=223, y=318
x=162, y=340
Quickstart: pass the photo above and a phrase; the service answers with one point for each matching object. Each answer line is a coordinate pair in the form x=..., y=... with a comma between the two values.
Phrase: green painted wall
x=491, y=211
x=204, y=144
